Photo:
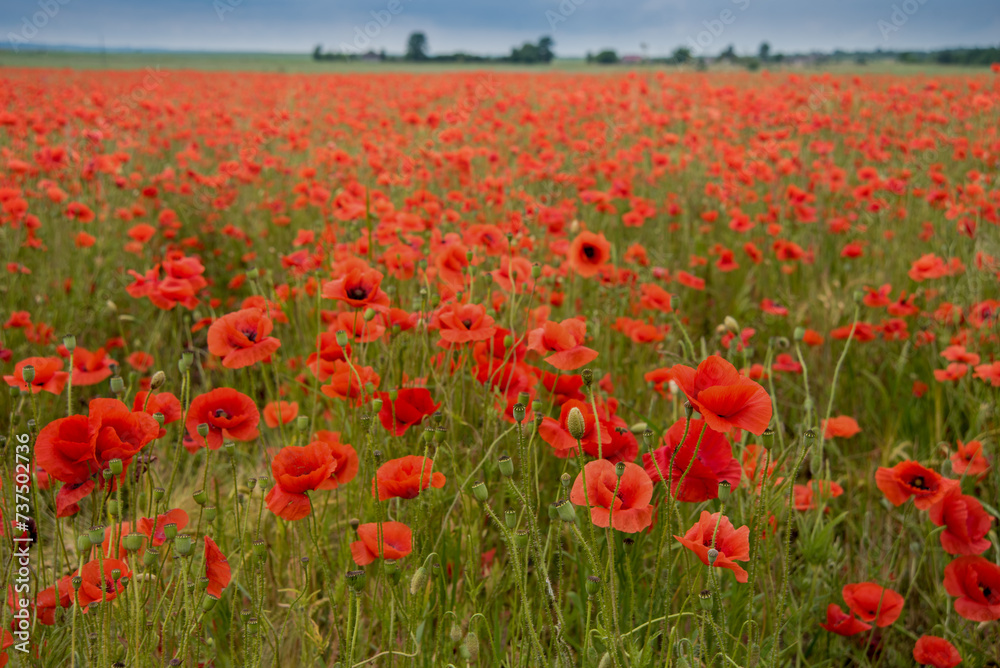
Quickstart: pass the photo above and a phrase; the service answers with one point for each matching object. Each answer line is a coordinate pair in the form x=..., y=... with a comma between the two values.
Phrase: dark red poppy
x=65, y=449
x=731, y=543
x=119, y=433
x=725, y=398
x=48, y=600
x=321, y=364
x=349, y=383
x=298, y=470
x=712, y=464
x=359, y=287
x=343, y=455
x=909, y=478
x=976, y=583
x=241, y=338
x=588, y=253
x=936, y=652
x=229, y=415
x=405, y=477
x=410, y=408
x=966, y=523
x=97, y=584
x=873, y=603
x=623, y=502
x=216, y=569
x=395, y=541
x=841, y=623
x=462, y=323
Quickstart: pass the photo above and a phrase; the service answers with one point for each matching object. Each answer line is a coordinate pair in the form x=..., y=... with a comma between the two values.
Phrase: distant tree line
x=541, y=52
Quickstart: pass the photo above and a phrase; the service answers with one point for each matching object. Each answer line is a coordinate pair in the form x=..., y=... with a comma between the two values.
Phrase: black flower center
x=357, y=292
x=468, y=323
x=251, y=334
x=590, y=252
x=919, y=483
x=219, y=413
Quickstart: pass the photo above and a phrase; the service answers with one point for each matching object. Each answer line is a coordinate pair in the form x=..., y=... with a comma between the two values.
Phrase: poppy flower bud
x=566, y=480
x=593, y=584
x=688, y=409
x=160, y=418
x=508, y=341
x=83, y=542
x=369, y=314
x=183, y=544
x=606, y=661
x=419, y=580
x=725, y=488
x=479, y=491
x=519, y=412
x=471, y=646
x=203, y=429
x=28, y=373
x=575, y=423
x=96, y=535
x=675, y=302
x=200, y=497
x=356, y=580
x=712, y=555
x=729, y=322
x=536, y=270
x=354, y=522
x=566, y=510
x=858, y=296
x=188, y=357
x=341, y=338
x=506, y=465
x=369, y=388
x=157, y=381
x=182, y=366
x=170, y=531
x=210, y=513
x=510, y=519
x=588, y=377
x=392, y=569
x=620, y=469
x=705, y=599
x=799, y=333
x=133, y=542
x=455, y=633
x=376, y=405
x=302, y=423
x=253, y=274
x=209, y=602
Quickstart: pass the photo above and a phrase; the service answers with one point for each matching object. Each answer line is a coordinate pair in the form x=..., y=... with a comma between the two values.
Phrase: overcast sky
x=493, y=26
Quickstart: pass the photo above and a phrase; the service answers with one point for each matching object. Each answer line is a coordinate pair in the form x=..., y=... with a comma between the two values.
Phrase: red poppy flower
x=411, y=406
x=298, y=470
x=873, y=603
x=90, y=368
x=154, y=528
x=348, y=383
x=241, y=338
x=841, y=426
x=629, y=509
x=989, y=373
x=229, y=415
x=462, y=323
x=119, y=433
x=969, y=459
x=330, y=351
x=731, y=543
x=725, y=398
x=565, y=341
x=359, y=287
x=140, y=361
x=841, y=623
x=97, y=584
x=65, y=449
x=344, y=455
x=966, y=523
x=395, y=542
x=976, y=582
x=936, y=652
x=216, y=569
x=69, y=496
x=712, y=464
x=48, y=376
x=908, y=479
x=556, y=433
x=588, y=253
x=406, y=477
x=280, y=411
x=164, y=403
x=48, y=600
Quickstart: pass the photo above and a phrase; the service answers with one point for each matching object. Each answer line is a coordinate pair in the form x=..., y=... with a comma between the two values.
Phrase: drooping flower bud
x=157, y=381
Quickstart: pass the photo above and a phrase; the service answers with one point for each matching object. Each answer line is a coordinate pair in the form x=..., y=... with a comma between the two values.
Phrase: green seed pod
x=506, y=465
x=160, y=418
x=519, y=412
x=536, y=271
x=620, y=469
x=202, y=429
x=725, y=489
x=566, y=480
x=77, y=582
x=158, y=494
x=705, y=599
x=566, y=510
x=209, y=602
x=117, y=384
x=210, y=513
x=356, y=580
x=116, y=574
x=116, y=466
x=183, y=544
x=419, y=581
x=341, y=338
x=712, y=555
x=69, y=341
x=150, y=557
x=391, y=567
x=479, y=491
x=170, y=530
x=113, y=508
x=260, y=550
x=200, y=497
x=83, y=542
x=96, y=535
x=510, y=519
x=593, y=585
x=369, y=314
x=28, y=373
x=376, y=406
x=302, y=423
x=521, y=538
x=133, y=541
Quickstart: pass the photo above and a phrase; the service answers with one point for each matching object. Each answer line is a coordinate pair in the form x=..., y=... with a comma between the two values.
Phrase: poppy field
x=632, y=369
